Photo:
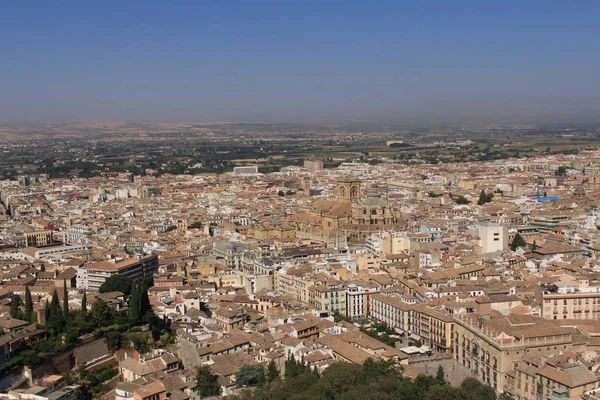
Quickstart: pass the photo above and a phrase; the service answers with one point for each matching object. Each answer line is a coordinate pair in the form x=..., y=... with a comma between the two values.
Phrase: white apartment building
x=55, y=252
x=388, y=243
x=248, y=169
x=357, y=300
x=392, y=311
x=79, y=234
x=493, y=237
x=92, y=276
x=330, y=296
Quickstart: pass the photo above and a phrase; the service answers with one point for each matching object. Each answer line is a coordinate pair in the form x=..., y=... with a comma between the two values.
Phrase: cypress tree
x=272, y=371
x=84, y=302
x=65, y=300
x=440, y=376
x=15, y=307
x=144, y=302
x=28, y=305
x=315, y=372
x=55, y=321
x=291, y=368
x=54, y=307
x=207, y=384
x=482, y=198
x=135, y=303
x=518, y=241
x=47, y=310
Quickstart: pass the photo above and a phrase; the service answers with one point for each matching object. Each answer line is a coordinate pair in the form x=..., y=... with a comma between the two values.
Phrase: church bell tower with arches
x=348, y=190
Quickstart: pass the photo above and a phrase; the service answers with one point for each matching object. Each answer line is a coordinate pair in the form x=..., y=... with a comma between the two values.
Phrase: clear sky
x=284, y=60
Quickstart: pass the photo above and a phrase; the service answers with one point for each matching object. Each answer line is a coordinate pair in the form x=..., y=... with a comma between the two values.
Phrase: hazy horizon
x=346, y=62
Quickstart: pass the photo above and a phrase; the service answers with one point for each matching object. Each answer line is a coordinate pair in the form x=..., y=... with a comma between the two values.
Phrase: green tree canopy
x=207, y=384
x=84, y=302
x=440, y=375
x=340, y=378
x=65, y=306
x=55, y=320
x=272, y=372
x=139, y=304
x=294, y=368
x=29, y=315
x=441, y=391
x=15, y=307
x=518, y=241
x=374, y=380
x=476, y=390
x=101, y=313
x=250, y=375
x=561, y=171
x=484, y=197
x=116, y=283
x=461, y=200
x=54, y=307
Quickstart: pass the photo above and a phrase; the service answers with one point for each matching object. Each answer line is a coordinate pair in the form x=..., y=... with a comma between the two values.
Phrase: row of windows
x=579, y=302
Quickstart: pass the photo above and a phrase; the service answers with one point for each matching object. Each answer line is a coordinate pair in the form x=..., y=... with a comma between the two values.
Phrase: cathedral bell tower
x=348, y=190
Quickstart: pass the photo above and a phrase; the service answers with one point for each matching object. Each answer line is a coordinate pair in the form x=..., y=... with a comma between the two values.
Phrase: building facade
x=92, y=276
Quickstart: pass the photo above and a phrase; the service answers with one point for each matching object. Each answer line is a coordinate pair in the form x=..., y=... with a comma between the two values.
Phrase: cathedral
x=350, y=219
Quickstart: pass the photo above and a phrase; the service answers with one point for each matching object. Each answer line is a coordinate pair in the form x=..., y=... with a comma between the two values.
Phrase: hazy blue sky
x=295, y=60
